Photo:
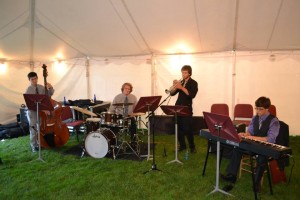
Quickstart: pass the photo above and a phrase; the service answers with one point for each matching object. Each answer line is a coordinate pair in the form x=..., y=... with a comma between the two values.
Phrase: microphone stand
x=153, y=167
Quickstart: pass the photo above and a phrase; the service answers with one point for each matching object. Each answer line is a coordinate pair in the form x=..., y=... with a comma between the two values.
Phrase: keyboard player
x=263, y=127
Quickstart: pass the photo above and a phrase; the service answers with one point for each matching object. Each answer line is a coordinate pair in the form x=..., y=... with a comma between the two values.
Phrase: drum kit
x=110, y=134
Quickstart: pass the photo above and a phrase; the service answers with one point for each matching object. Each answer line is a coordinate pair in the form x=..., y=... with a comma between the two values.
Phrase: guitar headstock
x=45, y=72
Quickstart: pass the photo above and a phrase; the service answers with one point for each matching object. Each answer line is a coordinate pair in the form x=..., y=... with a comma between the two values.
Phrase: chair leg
x=76, y=132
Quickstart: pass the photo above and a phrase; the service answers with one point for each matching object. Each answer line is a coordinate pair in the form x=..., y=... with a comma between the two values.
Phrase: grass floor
x=65, y=175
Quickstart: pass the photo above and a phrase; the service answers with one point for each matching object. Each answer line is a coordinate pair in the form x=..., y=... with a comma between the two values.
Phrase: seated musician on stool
x=263, y=127
x=127, y=98
x=35, y=88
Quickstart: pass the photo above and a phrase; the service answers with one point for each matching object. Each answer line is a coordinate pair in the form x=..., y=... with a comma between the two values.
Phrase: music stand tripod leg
x=38, y=131
x=217, y=189
x=176, y=143
x=149, y=142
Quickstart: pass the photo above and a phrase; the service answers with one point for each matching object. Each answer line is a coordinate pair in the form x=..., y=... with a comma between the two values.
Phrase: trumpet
x=172, y=89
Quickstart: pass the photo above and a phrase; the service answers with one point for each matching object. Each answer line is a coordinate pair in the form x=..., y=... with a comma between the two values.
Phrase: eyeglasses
x=259, y=108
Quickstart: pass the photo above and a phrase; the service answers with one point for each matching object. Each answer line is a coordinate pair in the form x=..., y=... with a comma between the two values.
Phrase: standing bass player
x=35, y=88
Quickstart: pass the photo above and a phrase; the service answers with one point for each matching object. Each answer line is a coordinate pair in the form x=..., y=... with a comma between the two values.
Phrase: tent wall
x=227, y=77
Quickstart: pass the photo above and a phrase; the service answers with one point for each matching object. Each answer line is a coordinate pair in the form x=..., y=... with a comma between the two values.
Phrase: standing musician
x=263, y=127
x=127, y=98
x=35, y=88
x=187, y=90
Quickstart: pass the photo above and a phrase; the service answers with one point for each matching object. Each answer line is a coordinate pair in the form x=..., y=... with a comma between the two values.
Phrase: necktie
x=260, y=123
x=36, y=90
x=126, y=107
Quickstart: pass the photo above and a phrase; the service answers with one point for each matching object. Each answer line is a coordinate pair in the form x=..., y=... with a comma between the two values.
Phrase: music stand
x=176, y=111
x=147, y=104
x=38, y=102
x=221, y=127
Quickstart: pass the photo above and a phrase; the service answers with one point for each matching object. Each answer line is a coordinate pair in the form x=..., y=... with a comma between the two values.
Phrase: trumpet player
x=187, y=89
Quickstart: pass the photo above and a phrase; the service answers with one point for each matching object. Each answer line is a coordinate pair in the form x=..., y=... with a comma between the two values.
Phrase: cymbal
x=137, y=114
x=84, y=111
x=122, y=104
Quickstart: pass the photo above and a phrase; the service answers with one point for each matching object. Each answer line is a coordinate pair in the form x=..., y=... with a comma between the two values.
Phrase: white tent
x=239, y=50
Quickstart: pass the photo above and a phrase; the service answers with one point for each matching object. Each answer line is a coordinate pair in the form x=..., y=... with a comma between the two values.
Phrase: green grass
x=67, y=176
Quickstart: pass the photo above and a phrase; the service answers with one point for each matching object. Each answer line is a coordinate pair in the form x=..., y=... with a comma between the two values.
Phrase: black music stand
x=147, y=104
x=38, y=102
x=221, y=127
x=176, y=111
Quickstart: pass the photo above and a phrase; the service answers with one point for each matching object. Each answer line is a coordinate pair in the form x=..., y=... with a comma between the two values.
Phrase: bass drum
x=100, y=142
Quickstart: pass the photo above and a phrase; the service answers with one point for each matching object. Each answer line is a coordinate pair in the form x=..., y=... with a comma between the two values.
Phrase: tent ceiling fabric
x=112, y=28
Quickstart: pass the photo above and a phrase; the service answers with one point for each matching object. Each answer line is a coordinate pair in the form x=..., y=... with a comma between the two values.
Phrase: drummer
x=123, y=104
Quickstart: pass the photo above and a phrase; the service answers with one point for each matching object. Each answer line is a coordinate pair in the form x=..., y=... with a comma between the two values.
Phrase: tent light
x=2, y=60
x=272, y=57
x=3, y=67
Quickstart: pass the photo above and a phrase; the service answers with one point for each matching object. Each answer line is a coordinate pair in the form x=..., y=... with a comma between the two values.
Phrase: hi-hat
x=84, y=111
x=122, y=104
x=137, y=114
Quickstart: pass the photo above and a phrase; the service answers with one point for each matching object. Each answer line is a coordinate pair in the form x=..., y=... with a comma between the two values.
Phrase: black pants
x=234, y=165
x=185, y=128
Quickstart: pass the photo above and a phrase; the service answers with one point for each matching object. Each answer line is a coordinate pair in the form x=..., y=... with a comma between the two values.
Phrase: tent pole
x=88, y=80
x=153, y=75
x=32, y=31
x=233, y=83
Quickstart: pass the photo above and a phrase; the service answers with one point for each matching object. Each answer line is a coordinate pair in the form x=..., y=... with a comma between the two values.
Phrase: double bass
x=54, y=133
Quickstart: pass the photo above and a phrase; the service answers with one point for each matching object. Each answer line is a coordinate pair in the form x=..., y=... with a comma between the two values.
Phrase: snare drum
x=124, y=122
x=92, y=124
x=99, y=143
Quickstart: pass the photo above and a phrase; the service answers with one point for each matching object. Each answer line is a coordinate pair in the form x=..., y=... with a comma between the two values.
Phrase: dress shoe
x=34, y=149
x=228, y=188
x=181, y=149
x=229, y=178
x=193, y=150
x=257, y=188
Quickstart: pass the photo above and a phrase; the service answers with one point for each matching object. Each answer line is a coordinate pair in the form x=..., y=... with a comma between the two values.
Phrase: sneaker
x=229, y=178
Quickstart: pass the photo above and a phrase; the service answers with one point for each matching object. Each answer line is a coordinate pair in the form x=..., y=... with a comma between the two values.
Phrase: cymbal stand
x=124, y=131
